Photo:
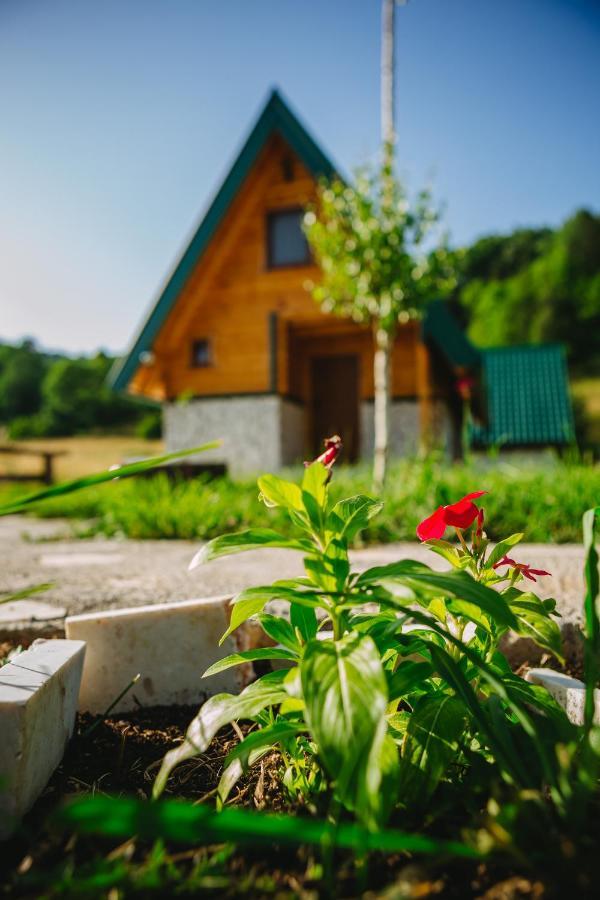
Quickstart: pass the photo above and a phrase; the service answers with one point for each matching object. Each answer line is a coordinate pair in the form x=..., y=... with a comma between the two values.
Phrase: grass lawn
x=84, y=454
x=545, y=502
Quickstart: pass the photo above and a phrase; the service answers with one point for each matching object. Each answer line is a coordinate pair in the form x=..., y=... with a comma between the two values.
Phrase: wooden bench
x=47, y=457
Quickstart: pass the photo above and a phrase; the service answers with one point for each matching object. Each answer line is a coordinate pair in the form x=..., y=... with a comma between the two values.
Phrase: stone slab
x=569, y=692
x=38, y=702
x=169, y=645
x=21, y=611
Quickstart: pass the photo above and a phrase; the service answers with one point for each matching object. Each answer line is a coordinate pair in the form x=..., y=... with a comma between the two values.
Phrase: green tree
x=537, y=286
x=369, y=241
x=21, y=372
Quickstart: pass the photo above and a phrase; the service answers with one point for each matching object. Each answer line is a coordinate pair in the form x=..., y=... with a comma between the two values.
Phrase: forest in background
x=52, y=395
x=535, y=285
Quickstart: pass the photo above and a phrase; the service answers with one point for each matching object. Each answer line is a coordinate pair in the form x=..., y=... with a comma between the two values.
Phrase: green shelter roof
x=442, y=328
x=276, y=117
x=528, y=398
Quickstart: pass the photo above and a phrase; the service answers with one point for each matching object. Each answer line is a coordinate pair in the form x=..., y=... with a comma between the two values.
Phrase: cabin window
x=201, y=354
x=286, y=244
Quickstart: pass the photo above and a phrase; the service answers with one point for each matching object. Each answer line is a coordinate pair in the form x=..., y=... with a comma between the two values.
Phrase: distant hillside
x=537, y=285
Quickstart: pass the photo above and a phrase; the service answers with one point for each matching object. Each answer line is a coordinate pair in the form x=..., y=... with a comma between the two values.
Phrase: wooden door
x=334, y=406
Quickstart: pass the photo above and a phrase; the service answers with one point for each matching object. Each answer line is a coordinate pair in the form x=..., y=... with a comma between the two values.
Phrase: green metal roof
x=442, y=328
x=528, y=399
x=275, y=117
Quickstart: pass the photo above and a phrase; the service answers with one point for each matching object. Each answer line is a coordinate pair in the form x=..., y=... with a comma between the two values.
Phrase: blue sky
x=120, y=118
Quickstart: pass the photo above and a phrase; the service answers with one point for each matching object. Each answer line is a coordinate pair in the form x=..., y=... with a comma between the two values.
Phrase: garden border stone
x=169, y=645
x=38, y=702
x=569, y=692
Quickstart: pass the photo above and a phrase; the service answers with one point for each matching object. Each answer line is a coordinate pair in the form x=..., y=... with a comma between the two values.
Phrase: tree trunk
x=388, y=134
x=381, y=371
x=383, y=339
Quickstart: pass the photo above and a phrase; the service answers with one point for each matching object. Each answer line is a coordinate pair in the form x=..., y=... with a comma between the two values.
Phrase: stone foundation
x=404, y=428
x=258, y=433
x=264, y=433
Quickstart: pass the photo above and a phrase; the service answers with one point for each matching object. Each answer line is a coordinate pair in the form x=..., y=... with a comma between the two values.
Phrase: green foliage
x=21, y=373
x=394, y=673
x=170, y=820
x=26, y=502
x=49, y=395
x=368, y=240
x=536, y=286
x=149, y=427
x=544, y=501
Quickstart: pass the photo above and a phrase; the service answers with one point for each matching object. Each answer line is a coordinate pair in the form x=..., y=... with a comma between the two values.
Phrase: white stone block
x=169, y=644
x=569, y=692
x=38, y=702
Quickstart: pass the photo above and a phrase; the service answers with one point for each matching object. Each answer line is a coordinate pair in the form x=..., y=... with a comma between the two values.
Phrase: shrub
x=150, y=426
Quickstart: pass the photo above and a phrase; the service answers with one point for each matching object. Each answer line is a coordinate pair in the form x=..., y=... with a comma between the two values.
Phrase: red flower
x=460, y=514
x=464, y=386
x=523, y=568
x=333, y=447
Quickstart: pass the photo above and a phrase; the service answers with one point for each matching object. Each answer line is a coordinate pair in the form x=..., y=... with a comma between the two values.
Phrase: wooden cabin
x=235, y=347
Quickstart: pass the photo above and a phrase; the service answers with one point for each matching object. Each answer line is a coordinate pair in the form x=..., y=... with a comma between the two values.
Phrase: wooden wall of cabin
x=232, y=294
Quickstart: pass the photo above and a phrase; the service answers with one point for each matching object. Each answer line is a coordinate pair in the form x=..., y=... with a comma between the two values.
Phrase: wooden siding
x=232, y=294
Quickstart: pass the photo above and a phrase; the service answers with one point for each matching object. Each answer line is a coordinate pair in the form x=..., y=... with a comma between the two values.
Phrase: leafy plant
x=394, y=678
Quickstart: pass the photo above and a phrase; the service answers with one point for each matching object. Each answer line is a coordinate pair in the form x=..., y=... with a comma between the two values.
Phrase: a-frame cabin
x=235, y=347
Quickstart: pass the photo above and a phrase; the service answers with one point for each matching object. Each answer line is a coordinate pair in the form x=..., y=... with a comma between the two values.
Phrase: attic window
x=287, y=168
x=286, y=244
x=201, y=355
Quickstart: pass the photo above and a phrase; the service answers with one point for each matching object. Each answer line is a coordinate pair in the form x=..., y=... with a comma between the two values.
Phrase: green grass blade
x=26, y=592
x=67, y=487
x=182, y=822
x=592, y=622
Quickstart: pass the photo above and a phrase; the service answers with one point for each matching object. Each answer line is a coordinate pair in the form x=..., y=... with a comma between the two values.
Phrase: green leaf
x=277, y=492
x=264, y=737
x=592, y=614
x=454, y=584
x=218, y=711
x=67, y=487
x=233, y=772
x=305, y=620
x=350, y=516
x=248, y=752
x=430, y=745
x=470, y=611
x=172, y=820
x=280, y=631
x=376, y=781
x=252, y=539
x=446, y=550
x=502, y=549
x=253, y=600
x=533, y=620
x=408, y=676
x=345, y=692
x=314, y=482
x=537, y=696
x=236, y=659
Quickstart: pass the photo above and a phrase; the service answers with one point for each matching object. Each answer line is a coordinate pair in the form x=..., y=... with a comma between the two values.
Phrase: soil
x=121, y=755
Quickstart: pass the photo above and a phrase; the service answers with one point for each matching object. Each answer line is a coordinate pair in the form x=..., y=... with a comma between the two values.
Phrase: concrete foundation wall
x=258, y=433
x=293, y=418
x=404, y=428
x=264, y=433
